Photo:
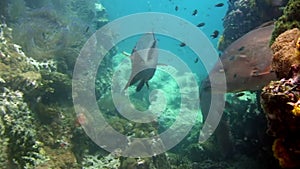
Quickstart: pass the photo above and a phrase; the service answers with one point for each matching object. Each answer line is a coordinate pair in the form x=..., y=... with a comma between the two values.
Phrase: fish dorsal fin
x=269, y=23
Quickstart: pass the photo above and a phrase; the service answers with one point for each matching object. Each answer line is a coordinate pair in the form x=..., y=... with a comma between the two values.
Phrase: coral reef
x=39, y=128
x=24, y=148
x=280, y=100
x=38, y=124
x=247, y=146
x=243, y=16
x=3, y=142
x=56, y=30
x=209, y=164
x=98, y=161
x=289, y=20
x=282, y=123
x=27, y=141
x=55, y=87
x=114, y=161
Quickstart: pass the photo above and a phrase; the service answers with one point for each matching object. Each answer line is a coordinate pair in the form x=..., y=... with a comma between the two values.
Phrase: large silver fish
x=247, y=66
x=144, y=59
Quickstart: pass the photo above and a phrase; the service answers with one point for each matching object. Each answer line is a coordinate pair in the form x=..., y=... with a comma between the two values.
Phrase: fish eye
x=241, y=48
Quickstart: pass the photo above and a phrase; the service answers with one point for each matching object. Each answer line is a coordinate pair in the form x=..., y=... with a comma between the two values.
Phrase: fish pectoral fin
x=267, y=71
x=255, y=73
x=140, y=85
x=126, y=54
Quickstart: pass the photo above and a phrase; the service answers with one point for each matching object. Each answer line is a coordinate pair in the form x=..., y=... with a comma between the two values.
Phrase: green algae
x=289, y=20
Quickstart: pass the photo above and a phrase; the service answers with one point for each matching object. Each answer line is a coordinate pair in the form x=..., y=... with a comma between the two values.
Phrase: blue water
x=207, y=13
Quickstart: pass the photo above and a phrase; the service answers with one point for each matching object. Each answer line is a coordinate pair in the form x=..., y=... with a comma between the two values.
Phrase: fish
x=219, y=5
x=201, y=24
x=182, y=44
x=215, y=34
x=176, y=8
x=241, y=48
x=251, y=57
x=240, y=94
x=248, y=69
x=195, y=12
x=144, y=60
x=87, y=29
x=196, y=60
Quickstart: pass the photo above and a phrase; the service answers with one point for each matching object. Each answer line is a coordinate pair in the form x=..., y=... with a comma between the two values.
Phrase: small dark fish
x=87, y=29
x=215, y=34
x=241, y=48
x=176, y=8
x=201, y=24
x=219, y=5
x=195, y=12
x=196, y=60
x=240, y=94
x=182, y=44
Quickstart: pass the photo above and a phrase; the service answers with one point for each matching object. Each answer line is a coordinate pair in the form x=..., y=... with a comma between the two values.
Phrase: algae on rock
x=289, y=20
